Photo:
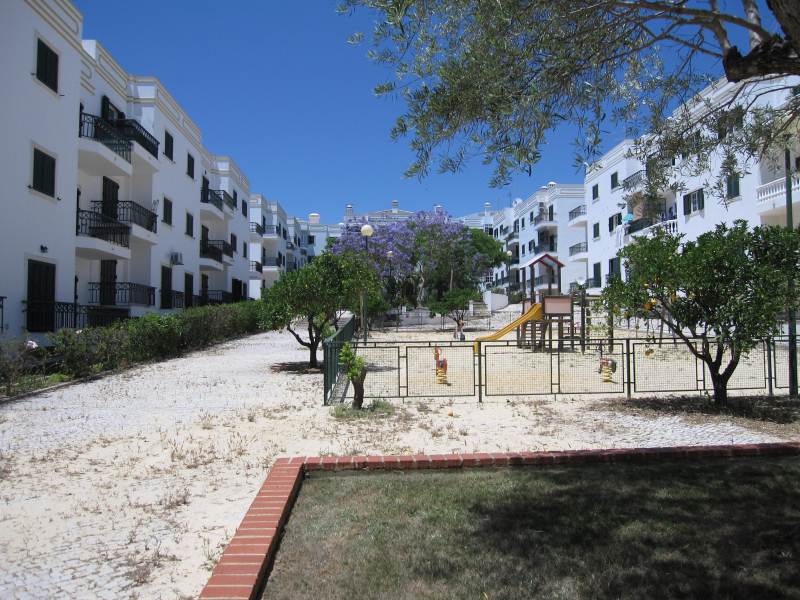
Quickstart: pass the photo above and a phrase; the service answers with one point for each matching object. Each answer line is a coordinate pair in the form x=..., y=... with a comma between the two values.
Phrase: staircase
x=480, y=310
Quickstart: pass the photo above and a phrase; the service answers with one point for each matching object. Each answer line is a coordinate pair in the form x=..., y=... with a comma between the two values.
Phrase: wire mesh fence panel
x=600, y=368
x=780, y=362
x=425, y=377
x=383, y=371
x=669, y=367
x=509, y=370
x=750, y=373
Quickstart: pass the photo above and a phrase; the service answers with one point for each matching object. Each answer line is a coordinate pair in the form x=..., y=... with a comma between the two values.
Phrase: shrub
x=155, y=337
x=356, y=371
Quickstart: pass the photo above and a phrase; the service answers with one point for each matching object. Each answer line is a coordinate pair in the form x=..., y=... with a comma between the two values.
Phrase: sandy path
x=129, y=486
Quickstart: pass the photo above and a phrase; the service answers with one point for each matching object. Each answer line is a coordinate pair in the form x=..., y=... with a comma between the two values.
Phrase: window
x=596, y=231
x=531, y=246
x=693, y=202
x=613, y=268
x=614, y=180
x=244, y=249
x=523, y=250
x=188, y=288
x=311, y=240
x=168, y=145
x=234, y=243
x=189, y=224
x=595, y=191
x=44, y=173
x=614, y=221
x=167, y=216
x=596, y=275
x=516, y=225
x=531, y=217
x=523, y=222
x=732, y=186
x=47, y=65
x=244, y=208
x=190, y=165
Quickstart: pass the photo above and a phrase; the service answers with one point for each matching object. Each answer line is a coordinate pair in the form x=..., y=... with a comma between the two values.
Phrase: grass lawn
x=712, y=529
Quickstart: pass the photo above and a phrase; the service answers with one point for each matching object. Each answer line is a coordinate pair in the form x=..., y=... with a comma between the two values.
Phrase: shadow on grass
x=758, y=408
x=297, y=368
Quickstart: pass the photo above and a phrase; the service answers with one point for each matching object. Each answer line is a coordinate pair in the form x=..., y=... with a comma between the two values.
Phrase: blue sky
x=276, y=86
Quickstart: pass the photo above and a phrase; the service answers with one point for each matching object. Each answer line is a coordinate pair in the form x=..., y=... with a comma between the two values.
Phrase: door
x=236, y=288
x=166, y=287
x=110, y=198
x=204, y=190
x=108, y=282
x=41, y=309
x=188, y=288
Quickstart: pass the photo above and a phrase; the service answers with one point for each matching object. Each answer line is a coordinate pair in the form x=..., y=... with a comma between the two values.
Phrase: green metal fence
x=331, y=346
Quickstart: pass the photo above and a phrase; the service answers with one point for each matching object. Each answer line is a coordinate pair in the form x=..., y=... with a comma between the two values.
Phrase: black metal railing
x=97, y=128
x=290, y=245
x=211, y=197
x=130, y=213
x=545, y=247
x=51, y=316
x=543, y=217
x=255, y=266
x=577, y=212
x=256, y=228
x=271, y=261
x=212, y=249
x=97, y=225
x=512, y=235
x=121, y=294
x=578, y=248
x=215, y=297
x=132, y=130
x=226, y=198
x=544, y=280
x=631, y=181
x=270, y=230
x=173, y=299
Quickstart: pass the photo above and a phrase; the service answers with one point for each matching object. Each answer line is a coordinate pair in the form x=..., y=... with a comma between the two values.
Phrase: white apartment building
x=116, y=207
x=609, y=223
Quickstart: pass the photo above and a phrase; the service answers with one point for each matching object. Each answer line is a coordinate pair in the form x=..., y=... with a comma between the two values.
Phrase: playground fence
x=331, y=347
x=506, y=369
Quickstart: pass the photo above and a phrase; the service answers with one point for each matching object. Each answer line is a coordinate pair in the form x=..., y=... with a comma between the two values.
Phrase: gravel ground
x=129, y=486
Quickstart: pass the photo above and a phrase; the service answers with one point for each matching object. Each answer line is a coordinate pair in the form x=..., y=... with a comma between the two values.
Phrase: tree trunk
x=358, y=391
x=312, y=355
x=720, y=383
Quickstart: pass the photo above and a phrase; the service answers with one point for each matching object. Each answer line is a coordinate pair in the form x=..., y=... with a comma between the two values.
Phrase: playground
x=549, y=349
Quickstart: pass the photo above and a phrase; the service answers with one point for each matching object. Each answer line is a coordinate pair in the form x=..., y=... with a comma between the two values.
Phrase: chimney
x=313, y=218
x=348, y=212
x=487, y=208
x=437, y=208
x=395, y=205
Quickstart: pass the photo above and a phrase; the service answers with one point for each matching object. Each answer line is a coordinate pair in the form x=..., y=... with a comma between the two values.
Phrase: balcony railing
x=173, y=299
x=256, y=228
x=215, y=297
x=546, y=247
x=578, y=248
x=271, y=261
x=226, y=198
x=211, y=197
x=121, y=294
x=543, y=217
x=132, y=130
x=632, y=181
x=775, y=191
x=255, y=267
x=214, y=249
x=97, y=128
x=512, y=235
x=97, y=225
x=270, y=230
x=290, y=245
x=51, y=316
x=544, y=280
x=648, y=226
x=577, y=212
x=129, y=213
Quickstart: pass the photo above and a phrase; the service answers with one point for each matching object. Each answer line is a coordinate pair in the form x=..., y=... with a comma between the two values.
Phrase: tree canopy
x=492, y=79
x=720, y=294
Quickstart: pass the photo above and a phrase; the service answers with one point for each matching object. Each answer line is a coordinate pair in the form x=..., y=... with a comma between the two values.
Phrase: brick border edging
x=242, y=568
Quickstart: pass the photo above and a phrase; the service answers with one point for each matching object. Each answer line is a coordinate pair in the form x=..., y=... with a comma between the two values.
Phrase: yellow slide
x=533, y=314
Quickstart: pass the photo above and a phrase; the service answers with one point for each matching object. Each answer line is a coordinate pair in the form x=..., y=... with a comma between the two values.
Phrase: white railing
x=670, y=226
x=775, y=191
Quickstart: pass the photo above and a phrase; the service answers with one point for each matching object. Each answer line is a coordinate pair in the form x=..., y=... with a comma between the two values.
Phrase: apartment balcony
x=102, y=150
x=545, y=248
x=771, y=197
x=512, y=235
x=579, y=251
x=214, y=297
x=143, y=222
x=271, y=263
x=291, y=264
x=211, y=205
x=634, y=181
x=100, y=237
x=645, y=226
x=214, y=254
x=171, y=299
x=226, y=199
x=121, y=294
x=51, y=316
x=256, y=230
x=290, y=245
x=577, y=216
x=255, y=267
x=544, y=221
x=271, y=232
x=145, y=150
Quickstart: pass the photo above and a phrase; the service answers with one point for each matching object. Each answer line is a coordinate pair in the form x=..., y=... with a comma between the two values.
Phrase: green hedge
x=151, y=337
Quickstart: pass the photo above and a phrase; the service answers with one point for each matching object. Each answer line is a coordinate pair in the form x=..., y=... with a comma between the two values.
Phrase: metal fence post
x=628, y=366
x=480, y=374
x=768, y=344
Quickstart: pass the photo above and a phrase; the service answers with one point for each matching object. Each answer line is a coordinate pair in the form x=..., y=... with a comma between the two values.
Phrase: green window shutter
x=687, y=204
x=700, y=199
